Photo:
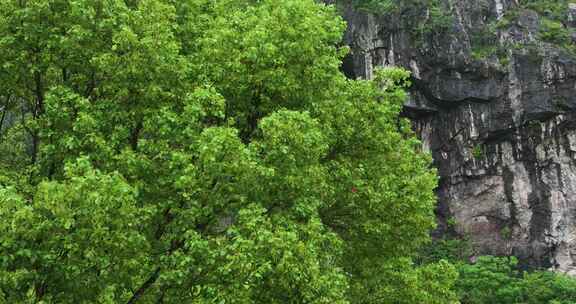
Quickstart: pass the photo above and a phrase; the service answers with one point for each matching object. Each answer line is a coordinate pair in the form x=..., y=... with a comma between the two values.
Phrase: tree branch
x=135, y=135
x=4, y=111
x=142, y=290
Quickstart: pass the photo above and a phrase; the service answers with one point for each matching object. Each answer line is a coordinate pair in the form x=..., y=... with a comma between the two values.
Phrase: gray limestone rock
x=501, y=128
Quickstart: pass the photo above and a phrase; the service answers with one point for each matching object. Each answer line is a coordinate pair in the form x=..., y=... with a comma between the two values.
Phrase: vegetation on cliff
x=422, y=18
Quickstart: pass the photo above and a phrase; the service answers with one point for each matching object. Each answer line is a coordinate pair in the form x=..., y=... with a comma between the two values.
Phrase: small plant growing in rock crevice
x=451, y=222
x=478, y=151
x=506, y=233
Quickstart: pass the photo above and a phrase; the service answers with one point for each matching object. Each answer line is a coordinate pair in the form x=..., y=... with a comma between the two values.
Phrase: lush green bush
x=490, y=280
x=553, y=9
x=496, y=280
x=554, y=32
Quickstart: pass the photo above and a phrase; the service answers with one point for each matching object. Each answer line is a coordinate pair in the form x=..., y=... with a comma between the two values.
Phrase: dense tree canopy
x=199, y=151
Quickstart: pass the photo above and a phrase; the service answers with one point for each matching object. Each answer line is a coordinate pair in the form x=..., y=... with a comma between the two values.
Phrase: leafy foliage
x=554, y=32
x=496, y=280
x=205, y=151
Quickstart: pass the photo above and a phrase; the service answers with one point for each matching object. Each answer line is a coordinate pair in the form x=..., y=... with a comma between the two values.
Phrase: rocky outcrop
x=501, y=125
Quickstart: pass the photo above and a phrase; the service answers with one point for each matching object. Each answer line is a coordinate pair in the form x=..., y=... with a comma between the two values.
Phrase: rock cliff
x=494, y=101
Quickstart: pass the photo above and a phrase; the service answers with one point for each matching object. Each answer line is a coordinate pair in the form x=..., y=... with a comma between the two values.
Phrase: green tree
x=205, y=151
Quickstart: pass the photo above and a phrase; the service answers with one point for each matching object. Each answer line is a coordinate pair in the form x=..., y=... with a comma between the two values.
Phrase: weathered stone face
x=502, y=131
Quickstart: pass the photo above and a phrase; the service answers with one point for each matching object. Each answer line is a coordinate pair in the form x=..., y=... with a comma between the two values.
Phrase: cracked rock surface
x=501, y=129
